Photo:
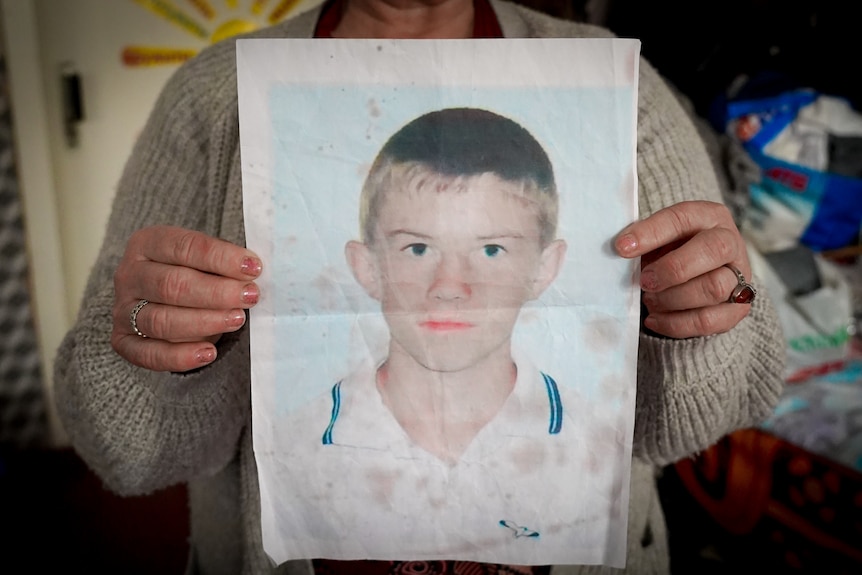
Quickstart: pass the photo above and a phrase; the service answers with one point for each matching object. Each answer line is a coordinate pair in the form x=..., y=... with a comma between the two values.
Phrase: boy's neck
x=443, y=411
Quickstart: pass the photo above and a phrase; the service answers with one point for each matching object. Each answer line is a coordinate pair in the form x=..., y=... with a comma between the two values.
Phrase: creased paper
x=444, y=354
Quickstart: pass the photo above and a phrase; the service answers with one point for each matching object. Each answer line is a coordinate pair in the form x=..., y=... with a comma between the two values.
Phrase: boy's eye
x=492, y=250
x=417, y=249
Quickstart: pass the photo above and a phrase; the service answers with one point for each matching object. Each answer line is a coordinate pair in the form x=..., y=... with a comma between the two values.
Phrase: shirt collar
x=359, y=417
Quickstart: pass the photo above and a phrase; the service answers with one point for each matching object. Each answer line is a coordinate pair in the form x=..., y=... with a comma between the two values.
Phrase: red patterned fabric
x=330, y=567
x=801, y=511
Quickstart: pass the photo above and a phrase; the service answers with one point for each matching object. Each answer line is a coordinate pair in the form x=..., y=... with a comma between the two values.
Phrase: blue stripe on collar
x=556, y=416
x=555, y=423
x=336, y=407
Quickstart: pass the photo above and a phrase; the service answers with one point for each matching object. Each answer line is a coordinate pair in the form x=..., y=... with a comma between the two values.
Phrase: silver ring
x=744, y=292
x=133, y=317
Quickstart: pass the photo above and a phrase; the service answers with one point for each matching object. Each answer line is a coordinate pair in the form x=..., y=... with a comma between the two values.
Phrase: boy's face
x=452, y=268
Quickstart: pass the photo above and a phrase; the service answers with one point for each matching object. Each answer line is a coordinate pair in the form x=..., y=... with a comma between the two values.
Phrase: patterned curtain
x=23, y=421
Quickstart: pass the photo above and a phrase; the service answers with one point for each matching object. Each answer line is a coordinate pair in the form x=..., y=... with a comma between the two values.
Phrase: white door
x=121, y=52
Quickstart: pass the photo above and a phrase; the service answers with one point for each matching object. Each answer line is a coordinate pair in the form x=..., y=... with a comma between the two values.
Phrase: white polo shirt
x=535, y=486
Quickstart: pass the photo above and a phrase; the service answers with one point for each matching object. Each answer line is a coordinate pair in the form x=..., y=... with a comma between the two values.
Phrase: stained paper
x=443, y=357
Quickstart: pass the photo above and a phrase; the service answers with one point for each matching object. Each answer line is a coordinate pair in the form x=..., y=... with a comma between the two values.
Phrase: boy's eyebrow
x=512, y=235
x=504, y=234
x=399, y=231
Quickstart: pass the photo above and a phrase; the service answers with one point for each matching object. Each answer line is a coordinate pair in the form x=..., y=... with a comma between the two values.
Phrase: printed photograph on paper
x=444, y=354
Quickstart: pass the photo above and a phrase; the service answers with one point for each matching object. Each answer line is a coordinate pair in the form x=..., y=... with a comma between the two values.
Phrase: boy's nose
x=450, y=279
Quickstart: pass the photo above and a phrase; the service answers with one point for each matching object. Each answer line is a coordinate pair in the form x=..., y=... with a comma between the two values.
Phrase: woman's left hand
x=685, y=249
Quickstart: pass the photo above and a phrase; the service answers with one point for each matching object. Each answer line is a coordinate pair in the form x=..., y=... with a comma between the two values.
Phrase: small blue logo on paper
x=517, y=530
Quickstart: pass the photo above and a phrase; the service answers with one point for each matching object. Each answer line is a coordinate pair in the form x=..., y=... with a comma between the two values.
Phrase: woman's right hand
x=198, y=287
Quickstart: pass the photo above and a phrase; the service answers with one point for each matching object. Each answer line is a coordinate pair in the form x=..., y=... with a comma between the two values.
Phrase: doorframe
x=35, y=172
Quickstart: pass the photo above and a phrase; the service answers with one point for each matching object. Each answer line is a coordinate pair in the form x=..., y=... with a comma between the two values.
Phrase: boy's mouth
x=445, y=325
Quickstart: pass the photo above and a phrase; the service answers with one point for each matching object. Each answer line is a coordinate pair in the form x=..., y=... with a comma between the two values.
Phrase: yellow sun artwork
x=206, y=20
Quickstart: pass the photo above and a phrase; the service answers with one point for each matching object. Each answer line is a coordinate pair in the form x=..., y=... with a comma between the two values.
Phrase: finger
x=185, y=287
x=178, y=324
x=706, y=251
x=158, y=355
x=698, y=322
x=671, y=224
x=705, y=290
x=189, y=248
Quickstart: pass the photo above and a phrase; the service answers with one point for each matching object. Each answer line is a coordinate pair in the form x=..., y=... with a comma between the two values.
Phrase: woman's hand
x=198, y=287
x=686, y=285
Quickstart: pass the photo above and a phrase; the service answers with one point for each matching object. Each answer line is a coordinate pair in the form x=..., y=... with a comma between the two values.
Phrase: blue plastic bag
x=822, y=209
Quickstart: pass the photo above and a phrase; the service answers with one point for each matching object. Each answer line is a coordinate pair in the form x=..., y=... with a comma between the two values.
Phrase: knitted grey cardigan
x=141, y=430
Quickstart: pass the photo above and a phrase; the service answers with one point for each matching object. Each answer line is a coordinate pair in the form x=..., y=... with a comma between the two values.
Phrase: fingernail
x=649, y=280
x=235, y=318
x=627, y=243
x=251, y=266
x=250, y=294
x=205, y=355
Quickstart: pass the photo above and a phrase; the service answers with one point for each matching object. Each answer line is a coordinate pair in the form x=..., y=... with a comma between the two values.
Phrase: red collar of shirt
x=485, y=23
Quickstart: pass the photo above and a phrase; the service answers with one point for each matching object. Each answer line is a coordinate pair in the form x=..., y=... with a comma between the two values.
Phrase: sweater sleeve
x=691, y=392
x=141, y=430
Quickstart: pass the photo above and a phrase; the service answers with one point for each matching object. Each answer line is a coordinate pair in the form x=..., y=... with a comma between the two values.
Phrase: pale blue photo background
x=325, y=139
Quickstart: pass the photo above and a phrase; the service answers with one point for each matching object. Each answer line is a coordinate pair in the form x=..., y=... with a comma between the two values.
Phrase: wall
x=68, y=190
x=22, y=403
x=41, y=222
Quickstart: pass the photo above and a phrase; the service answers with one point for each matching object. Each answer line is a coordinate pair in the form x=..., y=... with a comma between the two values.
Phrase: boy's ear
x=363, y=264
x=549, y=266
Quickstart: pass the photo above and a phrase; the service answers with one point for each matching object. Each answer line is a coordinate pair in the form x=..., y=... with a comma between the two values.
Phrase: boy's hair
x=457, y=143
